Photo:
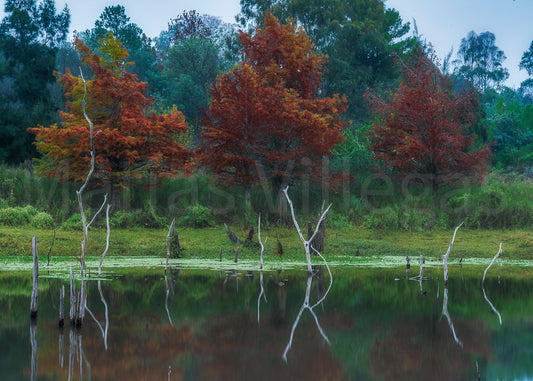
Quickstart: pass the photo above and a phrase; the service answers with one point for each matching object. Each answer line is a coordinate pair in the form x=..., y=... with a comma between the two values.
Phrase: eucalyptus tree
x=480, y=61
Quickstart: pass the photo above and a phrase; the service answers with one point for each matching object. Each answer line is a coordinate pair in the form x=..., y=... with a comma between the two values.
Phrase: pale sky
x=441, y=22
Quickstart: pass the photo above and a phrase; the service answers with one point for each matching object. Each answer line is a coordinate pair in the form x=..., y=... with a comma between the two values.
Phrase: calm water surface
x=374, y=324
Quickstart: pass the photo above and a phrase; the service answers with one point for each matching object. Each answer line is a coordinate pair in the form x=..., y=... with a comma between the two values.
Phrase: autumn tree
x=360, y=38
x=129, y=140
x=265, y=123
x=422, y=131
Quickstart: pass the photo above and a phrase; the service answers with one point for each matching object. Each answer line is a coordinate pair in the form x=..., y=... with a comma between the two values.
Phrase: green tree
x=192, y=52
x=29, y=36
x=480, y=61
x=526, y=63
x=360, y=38
x=114, y=20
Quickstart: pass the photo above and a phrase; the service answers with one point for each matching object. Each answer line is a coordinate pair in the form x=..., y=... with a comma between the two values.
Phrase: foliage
x=265, y=123
x=360, y=38
x=114, y=20
x=72, y=223
x=29, y=34
x=481, y=61
x=421, y=131
x=188, y=25
x=190, y=68
x=30, y=23
x=16, y=216
x=526, y=63
x=42, y=220
x=130, y=141
x=510, y=122
x=198, y=216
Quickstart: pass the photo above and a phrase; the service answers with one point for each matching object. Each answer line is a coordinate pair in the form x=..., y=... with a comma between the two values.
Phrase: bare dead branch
x=445, y=256
x=168, y=242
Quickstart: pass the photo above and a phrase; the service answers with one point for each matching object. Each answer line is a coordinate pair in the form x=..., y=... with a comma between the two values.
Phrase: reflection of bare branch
x=166, y=297
x=61, y=340
x=102, y=329
x=483, y=286
x=305, y=306
x=262, y=293
x=447, y=314
x=33, y=340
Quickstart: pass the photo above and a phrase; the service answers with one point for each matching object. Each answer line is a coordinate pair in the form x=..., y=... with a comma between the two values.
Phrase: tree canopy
x=481, y=61
x=265, y=123
x=421, y=132
x=360, y=38
x=29, y=35
x=130, y=141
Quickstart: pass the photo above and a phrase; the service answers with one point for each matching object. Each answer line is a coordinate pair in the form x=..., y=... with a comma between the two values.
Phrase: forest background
x=368, y=52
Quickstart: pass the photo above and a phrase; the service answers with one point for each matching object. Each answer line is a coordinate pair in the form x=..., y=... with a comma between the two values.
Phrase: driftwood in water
x=35, y=291
x=61, y=322
x=231, y=234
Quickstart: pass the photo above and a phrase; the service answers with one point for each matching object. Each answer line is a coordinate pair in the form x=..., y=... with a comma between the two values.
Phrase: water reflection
x=447, y=315
x=318, y=273
x=378, y=328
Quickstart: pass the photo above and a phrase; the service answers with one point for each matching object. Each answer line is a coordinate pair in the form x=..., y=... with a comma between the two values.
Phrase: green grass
x=205, y=243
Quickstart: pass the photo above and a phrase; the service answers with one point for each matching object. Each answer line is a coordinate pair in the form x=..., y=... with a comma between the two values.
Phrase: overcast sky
x=441, y=22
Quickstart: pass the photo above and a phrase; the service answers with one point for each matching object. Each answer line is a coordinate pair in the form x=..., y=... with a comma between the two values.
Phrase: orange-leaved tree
x=265, y=123
x=422, y=131
x=129, y=140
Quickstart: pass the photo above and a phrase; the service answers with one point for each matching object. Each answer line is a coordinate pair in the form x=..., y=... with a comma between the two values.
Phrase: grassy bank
x=340, y=243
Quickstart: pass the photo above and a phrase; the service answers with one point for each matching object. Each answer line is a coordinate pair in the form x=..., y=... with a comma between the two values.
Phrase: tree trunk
x=248, y=197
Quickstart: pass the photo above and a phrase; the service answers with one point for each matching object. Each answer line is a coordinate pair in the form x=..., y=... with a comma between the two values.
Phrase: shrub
x=30, y=210
x=14, y=216
x=42, y=220
x=72, y=223
x=384, y=219
x=198, y=216
x=122, y=219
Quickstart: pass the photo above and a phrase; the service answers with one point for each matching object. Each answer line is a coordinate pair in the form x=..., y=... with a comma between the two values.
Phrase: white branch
x=445, y=256
x=98, y=212
x=307, y=243
x=168, y=242
x=106, y=241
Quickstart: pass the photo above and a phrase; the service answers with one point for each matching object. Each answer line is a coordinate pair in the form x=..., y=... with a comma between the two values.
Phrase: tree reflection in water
x=307, y=306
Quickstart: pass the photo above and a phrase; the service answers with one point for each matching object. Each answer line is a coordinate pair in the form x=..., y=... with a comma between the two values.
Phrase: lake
x=372, y=324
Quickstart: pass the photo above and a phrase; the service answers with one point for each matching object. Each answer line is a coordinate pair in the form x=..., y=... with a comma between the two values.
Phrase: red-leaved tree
x=422, y=130
x=129, y=140
x=265, y=123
